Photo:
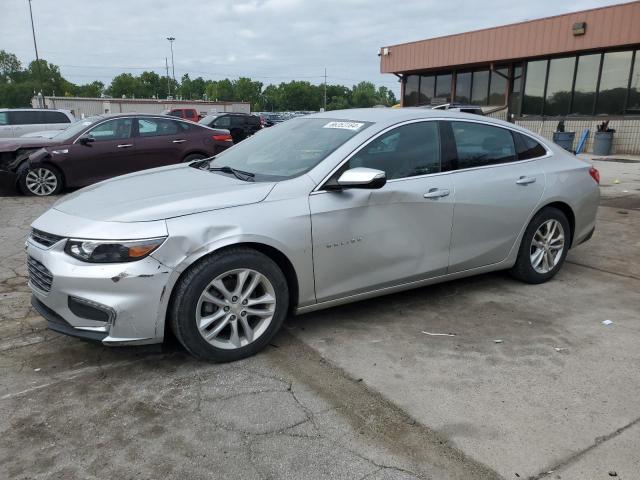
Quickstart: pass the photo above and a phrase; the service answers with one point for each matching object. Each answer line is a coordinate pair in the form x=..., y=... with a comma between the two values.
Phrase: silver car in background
x=315, y=212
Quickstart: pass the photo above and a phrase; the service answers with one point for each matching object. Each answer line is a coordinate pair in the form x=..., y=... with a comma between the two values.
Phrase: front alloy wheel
x=229, y=304
x=236, y=308
x=40, y=181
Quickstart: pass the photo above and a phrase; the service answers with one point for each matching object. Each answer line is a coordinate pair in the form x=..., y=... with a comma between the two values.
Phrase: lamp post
x=35, y=46
x=173, y=67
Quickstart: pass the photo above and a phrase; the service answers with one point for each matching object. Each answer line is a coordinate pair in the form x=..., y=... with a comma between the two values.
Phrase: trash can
x=564, y=139
x=602, y=143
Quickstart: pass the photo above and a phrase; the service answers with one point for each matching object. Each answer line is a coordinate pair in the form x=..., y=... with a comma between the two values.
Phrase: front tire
x=41, y=181
x=229, y=305
x=544, y=247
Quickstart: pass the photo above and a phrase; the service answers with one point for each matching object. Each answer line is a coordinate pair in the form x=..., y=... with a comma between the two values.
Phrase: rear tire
x=229, y=305
x=544, y=247
x=41, y=181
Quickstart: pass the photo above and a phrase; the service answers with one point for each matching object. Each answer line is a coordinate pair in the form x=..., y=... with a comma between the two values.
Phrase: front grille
x=39, y=275
x=43, y=238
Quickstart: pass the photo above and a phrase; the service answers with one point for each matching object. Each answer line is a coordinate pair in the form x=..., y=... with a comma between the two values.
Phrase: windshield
x=290, y=148
x=76, y=128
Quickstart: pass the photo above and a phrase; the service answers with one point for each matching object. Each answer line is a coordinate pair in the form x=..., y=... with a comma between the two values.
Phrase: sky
x=271, y=41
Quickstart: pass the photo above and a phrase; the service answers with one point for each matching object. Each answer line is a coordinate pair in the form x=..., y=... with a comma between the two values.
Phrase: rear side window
x=55, y=117
x=189, y=114
x=478, y=144
x=527, y=147
x=222, y=122
x=176, y=113
x=157, y=127
x=26, y=117
x=406, y=151
x=253, y=120
x=237, y=121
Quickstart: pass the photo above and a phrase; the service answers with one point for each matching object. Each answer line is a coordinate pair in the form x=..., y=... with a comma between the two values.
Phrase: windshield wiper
x=201, y=163
x=239, y=174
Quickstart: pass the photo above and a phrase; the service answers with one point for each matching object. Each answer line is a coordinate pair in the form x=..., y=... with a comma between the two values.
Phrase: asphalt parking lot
x=527, y=383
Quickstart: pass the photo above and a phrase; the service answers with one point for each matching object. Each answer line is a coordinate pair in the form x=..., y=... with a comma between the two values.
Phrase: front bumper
x=116, y=304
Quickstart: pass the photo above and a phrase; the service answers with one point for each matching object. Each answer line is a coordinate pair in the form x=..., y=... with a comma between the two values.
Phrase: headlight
x=105, y=251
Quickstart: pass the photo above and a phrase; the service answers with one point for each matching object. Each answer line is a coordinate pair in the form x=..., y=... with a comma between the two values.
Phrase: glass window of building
x=498, y=88
x=480, y=87
x=443, y=87
x=634, y=91
x=463, y=87
x=427, y=86
x=614, y=79
x=559, y=85
x=534, y=87
x=584, y=91
x=516, y=90
x=411, y=90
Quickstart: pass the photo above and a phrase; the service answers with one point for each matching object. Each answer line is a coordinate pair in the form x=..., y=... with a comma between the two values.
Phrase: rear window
x=55, y=117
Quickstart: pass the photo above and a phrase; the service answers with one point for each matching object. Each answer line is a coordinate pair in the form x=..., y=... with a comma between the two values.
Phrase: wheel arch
x=195, y=152
x=568, y=212
x=281, y=260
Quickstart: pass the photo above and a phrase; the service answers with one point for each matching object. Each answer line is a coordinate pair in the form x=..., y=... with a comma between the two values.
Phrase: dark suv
x=241, y=125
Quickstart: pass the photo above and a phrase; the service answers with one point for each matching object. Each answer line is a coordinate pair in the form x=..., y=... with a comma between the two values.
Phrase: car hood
x=13, y=144
x=161, y=193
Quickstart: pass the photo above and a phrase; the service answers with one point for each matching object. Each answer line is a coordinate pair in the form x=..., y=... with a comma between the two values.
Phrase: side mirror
x=85, y=139
x=361, y=177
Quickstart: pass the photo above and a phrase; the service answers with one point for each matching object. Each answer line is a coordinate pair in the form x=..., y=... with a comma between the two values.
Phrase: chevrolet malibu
x=315, y=212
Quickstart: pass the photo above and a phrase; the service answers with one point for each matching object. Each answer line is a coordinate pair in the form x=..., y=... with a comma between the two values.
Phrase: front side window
x=289, y=149
x=156, y=127
x=117, y=129
x=478, y=144
x=406, y=151
x=4, y=118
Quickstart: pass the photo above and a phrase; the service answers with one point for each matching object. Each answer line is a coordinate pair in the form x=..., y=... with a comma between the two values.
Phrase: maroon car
x=102, y=147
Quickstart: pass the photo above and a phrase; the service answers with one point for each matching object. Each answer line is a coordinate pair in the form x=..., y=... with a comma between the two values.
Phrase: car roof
x=390, y=116
x=27, y=109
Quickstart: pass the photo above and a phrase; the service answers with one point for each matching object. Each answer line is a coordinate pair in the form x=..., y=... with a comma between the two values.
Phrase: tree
x=93, y=89
x=364, y=95
x=247, y=90
x=125, y=85
x=9, y=65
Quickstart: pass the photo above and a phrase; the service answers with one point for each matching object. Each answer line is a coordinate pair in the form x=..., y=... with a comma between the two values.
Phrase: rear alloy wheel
x=40, y=181
x=229, y=305
x=544, y=247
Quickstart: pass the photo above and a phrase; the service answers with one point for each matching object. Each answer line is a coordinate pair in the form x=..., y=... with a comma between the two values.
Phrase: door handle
x=179, y=141
x=125, y=145
x=436, y=193
x=525, y=180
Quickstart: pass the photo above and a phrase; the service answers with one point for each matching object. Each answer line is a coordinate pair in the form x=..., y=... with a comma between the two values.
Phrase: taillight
x=223, y=138
x=595, y=174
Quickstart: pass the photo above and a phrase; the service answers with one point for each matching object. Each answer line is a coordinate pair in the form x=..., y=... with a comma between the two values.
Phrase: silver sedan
x=312, y=213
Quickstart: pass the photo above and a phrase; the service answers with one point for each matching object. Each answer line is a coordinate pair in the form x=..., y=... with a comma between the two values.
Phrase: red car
x=186, y=113
x=98, y=148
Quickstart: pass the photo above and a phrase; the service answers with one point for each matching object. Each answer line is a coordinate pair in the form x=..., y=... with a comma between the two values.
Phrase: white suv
x=15, y=122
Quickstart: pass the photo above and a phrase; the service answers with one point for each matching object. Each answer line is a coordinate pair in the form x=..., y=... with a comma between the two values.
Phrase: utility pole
x=173, y=67
x=166, y=64
x=325, y=89
x=35, y=46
